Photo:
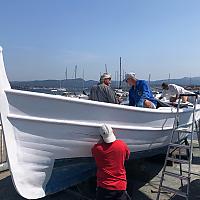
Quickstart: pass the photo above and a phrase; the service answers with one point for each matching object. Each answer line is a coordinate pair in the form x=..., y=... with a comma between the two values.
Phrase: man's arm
x=173, y=90
x=131, y=98
x=92, y=95
x=144, y=92
x=145, y=89
x=127, y=151
x=111, y=96
x=164, y=94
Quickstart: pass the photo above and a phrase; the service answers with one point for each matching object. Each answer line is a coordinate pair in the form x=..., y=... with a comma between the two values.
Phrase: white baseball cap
x=130, y=75
x=107, y=133
x=104, y=76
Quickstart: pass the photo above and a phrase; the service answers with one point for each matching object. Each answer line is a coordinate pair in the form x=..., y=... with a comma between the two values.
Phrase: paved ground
x=143, y=179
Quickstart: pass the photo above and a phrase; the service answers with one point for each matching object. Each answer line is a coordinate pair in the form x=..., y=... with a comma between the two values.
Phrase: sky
x=41, y=38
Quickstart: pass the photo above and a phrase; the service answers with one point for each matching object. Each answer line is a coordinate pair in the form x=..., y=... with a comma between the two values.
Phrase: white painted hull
x=40, y=128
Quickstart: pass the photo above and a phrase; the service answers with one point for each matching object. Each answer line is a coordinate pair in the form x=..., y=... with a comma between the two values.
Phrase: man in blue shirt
x=140, y=94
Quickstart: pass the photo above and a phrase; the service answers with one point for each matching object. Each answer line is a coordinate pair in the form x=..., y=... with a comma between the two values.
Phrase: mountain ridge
x=80, y=83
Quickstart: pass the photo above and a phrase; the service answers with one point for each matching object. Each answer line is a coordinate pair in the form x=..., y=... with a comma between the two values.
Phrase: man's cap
x=130, y=75
x=107, y=133
x=104, y=76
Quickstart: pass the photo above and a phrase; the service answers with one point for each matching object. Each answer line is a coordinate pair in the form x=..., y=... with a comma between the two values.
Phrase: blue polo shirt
x=139, y=93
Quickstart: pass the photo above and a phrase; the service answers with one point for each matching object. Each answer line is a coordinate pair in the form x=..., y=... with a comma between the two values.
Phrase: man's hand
x=173, y=99
x=147, y=104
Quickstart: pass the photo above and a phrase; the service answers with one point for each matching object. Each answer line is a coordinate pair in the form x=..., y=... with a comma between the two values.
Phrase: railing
x=3, y=154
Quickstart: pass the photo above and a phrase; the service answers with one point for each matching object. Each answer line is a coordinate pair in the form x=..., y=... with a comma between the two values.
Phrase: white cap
x=107, y=133
x=130, y=75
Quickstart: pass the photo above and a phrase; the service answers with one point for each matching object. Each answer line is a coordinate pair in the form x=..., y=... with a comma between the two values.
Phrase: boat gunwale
x=110, y=105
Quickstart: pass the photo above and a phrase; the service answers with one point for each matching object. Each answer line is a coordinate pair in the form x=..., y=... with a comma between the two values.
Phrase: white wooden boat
x=46, y=134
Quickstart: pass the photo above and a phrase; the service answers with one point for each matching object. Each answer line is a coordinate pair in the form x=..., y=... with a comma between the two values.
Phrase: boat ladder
x=177, y=145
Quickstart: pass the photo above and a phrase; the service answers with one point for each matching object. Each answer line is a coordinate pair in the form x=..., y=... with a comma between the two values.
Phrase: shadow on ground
x=196, y=160
x=7, y=190
x=194, y=191
x=139, y=173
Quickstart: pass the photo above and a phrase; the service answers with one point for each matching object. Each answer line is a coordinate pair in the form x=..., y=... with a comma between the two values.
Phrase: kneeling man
x=110, y=155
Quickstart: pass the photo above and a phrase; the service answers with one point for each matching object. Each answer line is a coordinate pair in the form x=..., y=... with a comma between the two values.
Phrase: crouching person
x=110, y=155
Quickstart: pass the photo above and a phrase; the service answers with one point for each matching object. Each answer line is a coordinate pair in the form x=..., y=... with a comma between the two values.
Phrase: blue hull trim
x=69, y=172
x=72, y=171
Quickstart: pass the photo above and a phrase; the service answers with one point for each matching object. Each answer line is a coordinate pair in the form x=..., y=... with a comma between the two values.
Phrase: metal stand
x=189, y=130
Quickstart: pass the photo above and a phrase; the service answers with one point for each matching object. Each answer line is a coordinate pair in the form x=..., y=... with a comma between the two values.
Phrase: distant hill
x=77, y=84
x=186, y=81
x=68, y=84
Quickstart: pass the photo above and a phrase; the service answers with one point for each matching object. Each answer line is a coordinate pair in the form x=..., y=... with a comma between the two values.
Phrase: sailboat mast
x=169, y=78
x=123, y=76
x=190, y=80
x=117, y=78
x=75, y=71
x=66, y=74
x=83, y=79
x=120, y=72
x=149, y=79
x=106, y=68
x=60, y=81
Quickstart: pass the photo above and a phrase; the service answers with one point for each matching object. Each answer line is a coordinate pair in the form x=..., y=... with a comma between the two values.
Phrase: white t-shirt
x=173, y=91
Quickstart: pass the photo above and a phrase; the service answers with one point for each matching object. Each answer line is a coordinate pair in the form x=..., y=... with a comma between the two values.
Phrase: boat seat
x=174, y=104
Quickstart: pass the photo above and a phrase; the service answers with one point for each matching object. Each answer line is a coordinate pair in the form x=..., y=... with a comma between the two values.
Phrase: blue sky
x=41, y=38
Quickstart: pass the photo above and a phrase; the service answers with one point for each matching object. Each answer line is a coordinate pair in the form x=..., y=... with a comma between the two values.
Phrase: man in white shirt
x=171, y=92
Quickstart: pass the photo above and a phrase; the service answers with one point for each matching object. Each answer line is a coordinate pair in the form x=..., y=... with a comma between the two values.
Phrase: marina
x=100, y=100
x=49, y=136
x=49, y=140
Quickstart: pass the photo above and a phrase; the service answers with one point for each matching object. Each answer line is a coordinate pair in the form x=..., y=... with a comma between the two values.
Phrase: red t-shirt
x=111, y=173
